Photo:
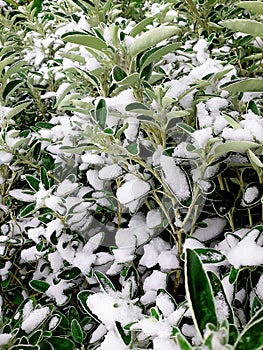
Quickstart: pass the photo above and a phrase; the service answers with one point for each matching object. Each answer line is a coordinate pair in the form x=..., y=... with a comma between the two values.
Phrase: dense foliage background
x=131, y=174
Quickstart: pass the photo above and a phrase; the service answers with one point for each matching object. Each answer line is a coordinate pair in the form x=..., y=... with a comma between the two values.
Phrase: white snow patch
x=112, y=341
x=164, y=343
x=111, y=308
x=110, y=172
x=5, y=337
x=165, y=304
x=132, y=190
x=153, y=218
x=214, y=228
x=175, y=178
x=246, y=252
x=250, y=195
x=33, y=320
x=259, y=288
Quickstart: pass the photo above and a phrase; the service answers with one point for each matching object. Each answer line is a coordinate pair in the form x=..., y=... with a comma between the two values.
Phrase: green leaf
x=17, y=67
x=22, y=347
x=199, y=292
x=44, y=125
x=39, y=286
x=158, y=54
x=234, y=146
x=252, y=6
x=35, y=337
x=76, y=331
x=251, y=338
x=245, y=85
x=85, y=40
x=154, y=314
x=11, y=87
x=61, y=343
x=126, y=338
x=17, y=109
x=48, y=161
x=28, y=210
x=101, y=113
x=232, y=122
x=182, y=342
x=83, y=297
x=130, y=79
x=44, y=178
x=6, y=61
x=80, y=148
x=254, y=159
x=70, y=273
x=104, y=281
x=59, y=101
x=118, y=73
x=136, y=106
x=33, y=182
x=246, y=26
x=233, y=276
x=133, y=148
x=151, y=38
x=185, y=127
x=141, y=25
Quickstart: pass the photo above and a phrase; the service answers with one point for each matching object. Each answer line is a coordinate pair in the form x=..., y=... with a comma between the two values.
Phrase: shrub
x=131, y=175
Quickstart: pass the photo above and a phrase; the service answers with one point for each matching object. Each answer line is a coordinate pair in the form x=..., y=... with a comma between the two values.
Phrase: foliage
x=131, y=175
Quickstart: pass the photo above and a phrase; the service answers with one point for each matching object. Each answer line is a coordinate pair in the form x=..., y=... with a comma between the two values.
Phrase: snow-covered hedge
x=131, y=175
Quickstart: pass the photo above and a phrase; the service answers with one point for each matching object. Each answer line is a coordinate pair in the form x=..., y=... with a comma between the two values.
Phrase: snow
x=201, y=137
x=168, y=260
x=153, y=218
x=132, y=189
x=5, y=337
x=57, y=291
x=31, y=254
x=175, y=178
x=247, y=252
x=214, y=226
x=164, y=343
x=33, y=320
x=110, y=308
x=222, y=309
x=250, y=194
x=259, y=288
x=165, y=304
x=66, y=187
x=157, y=280
x=152, y=327
x=152, y=250
x=98, y=333
x=112, y=341
x=5, y=157
x=93, y=179
x=110, y=172
x=53, y=322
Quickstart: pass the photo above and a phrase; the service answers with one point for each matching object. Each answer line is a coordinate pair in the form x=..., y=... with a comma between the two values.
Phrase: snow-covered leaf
x=104, y=281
